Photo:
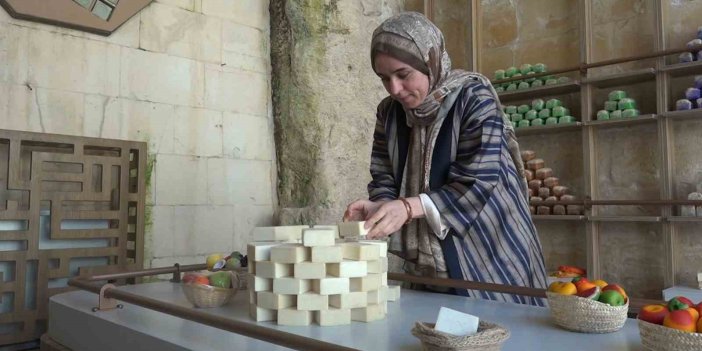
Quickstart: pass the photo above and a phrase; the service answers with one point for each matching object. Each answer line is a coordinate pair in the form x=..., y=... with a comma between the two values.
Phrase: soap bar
x=544, y=192
x=686, y=57
x=535, y=184
x=348, y=269
x=310, y=270
x=531, y=114
x=559, y=210
x=294, y=317
x=537, y=122
x=499, y=74
x=559, y=190
x=550, y=200
x=543, y=210
x=551, y=81
x=292, y=233
x=516, y=117
x=616, y=95
x=523, y=109
x=456, y=323
x=535, y=200
x=290, y=286
x=510, y=109
x=558, y=111
x=523, y=85
x=525, y=68
x=543, y=173
x=530, y=79
x=528, y=155
x=535, y=164
x=532, y=210
x=627, y=103
x=318, y=237
x=610, y=106
x=538, y=104
x=694, y=44
x=511, y=71
x=352, y=229
x=311, y=301
x=692, y=94
x=539, y=68
x=567, y=198
x=528, y=174
x=551, y=121
x=615, y=114
x=326, y=254
x=687, y=211
x=566, y=120
x=499, y=89
x=523, y=123
x=545, y=113
x=698, y=103
x=537, y=83
x=563, y=80
x=629, y=113
x=550, y=182
x=260, y=251
x=551, y=103
x=602, y=115
x=333, y=316
x=381, y=244
x=698, y=82
x=290, y=253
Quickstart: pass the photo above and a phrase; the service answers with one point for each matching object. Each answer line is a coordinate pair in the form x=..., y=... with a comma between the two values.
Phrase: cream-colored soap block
x=291, y=233
x=268, y=269
x=382, y=246
x=273, y=301
x=378, y=266
x=310, y=270
x=256, y=283
x=352, y=229
x=331, y=286
x=259, y=251
x=311, y=301
x=384, y=279
x=252, y=297
x=260, y=314
x=366, y=314
x=393, y=292
x=291, y=286
x=326, y=254
x=294, y=317
x=361, y=252
x=348, y=269
x=376, y=297
x=333, y=316
x=350, y=300
x=335, y=228
x=365, y=284
x=290, y=253
x=318, y=237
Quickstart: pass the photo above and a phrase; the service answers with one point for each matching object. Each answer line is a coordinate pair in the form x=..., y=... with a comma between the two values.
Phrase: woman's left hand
x=388, y=219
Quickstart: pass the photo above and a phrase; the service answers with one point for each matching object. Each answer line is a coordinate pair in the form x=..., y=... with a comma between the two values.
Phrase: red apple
x=582, y=284
x=189, y=277
x=653, y=313
x=685, y=300
x=592, y=293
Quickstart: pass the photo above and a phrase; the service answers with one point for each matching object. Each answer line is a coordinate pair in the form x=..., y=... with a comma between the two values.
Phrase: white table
x=73, y=324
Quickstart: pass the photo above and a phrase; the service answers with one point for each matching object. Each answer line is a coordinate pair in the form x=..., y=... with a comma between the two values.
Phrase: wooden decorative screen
x=68, y=205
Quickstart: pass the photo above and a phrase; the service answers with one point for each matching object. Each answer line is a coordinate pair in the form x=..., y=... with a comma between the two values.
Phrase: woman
x=446, y=171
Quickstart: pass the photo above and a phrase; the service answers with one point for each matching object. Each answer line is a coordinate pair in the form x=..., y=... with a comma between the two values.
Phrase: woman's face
x=404, y=83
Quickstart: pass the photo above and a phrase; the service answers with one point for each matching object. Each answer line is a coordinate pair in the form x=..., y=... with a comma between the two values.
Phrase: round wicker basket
x=489, y=337
x=659, y=338
x=584, y=315
x=205, y=296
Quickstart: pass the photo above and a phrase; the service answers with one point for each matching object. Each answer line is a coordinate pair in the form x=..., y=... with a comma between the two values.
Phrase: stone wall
x=189, y=77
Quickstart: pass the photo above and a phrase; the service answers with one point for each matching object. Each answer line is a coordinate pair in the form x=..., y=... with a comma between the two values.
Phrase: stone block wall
x=189, y=77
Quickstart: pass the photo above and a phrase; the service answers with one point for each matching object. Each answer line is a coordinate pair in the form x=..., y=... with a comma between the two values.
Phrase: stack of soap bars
x=618, y=105
x=692, y=97
x=545, y=189
x=526, y=70
x=539, y=113
x=694, y=45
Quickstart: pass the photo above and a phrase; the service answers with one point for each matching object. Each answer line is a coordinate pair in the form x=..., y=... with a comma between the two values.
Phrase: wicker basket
x=584, y=315
x=488, y=338
x=205, y=296
x=659, y=338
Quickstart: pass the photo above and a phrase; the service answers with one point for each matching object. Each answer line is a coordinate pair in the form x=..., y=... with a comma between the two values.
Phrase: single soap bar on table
x=551, y=121
x=630, y=113
x=543, y=173
x=602, y=115
x=535, y=164
x=616, y=95
x=456, y=323
x=616, y=114
x=551, y=181
x=626, y=103
x=543, y=210
x=610, y=105
x=566, y=120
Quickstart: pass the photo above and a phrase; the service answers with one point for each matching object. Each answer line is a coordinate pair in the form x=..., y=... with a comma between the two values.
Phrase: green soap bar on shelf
x=626, y=104
x=545, y=113
x=551, y=103
x=630, y=112
x=510, y=109
x=523, y=109
x=537, y=122
x=523, y=123
x=610, y=105
x=551, y=121
x=499, y=89
x=551, y=81
x=537, y=83
x=566, y=120
x=516, y=117
x=531, y=114
x=500, y=74
x=537, y=104
x=563, y=79
x=525, y=68
x=616, y=95
x=539, y=68
x=523, y=85
x=615, y=114
x=602, y=115
x=510, y=72
x=558, y=111
x=530, y=79
x=511, y=87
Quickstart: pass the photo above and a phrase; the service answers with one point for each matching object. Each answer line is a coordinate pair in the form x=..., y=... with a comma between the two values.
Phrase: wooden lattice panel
x=68, y=205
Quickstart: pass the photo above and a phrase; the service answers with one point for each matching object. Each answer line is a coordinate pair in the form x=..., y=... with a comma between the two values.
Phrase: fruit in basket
x=212, y=260
x=191, y=277
x=582, y=284
x=653, y=313
x=612, y=298
x=599, y=282
x=616, y=288
x=221, y=280
x=676, y=304
x=592, y=293
x=680, y=320
x=563, y=288
x=201, y=279
x=693, y=312
x=685, y=300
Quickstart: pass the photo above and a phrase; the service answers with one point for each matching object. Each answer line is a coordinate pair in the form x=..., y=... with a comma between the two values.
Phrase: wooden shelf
x=540, y=92
x=685, y=114
x=683, y=69
x=559, y=218
x=624, y=78
x=683, y=219
x=556, y=128
x=625, y=218
x=623, y=121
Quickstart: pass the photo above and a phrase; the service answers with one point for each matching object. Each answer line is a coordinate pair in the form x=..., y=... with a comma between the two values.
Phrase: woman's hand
x=359, y=210
x=388, y=219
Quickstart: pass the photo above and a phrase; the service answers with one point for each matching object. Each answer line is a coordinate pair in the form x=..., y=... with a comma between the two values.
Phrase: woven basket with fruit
x=212, y=290
x=675, y=325
x=588, y=306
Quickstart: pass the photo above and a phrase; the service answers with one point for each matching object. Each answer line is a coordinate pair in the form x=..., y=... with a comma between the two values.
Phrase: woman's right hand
x=359, y=210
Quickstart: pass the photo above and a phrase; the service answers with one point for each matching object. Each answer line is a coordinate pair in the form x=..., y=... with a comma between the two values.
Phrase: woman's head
x=407, y=53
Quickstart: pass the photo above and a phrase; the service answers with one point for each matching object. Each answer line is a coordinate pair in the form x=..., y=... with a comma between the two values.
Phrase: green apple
x=612, y=298
x=221, y=280
x=233, y=263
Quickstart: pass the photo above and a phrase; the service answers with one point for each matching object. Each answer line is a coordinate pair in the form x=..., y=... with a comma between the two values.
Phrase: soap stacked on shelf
x=693, y=98
x=526, y=70
x=692, y=210
x=618, y=105
x=300, y=274
x=694, y=54
x=545, y=189
x=539, y=113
